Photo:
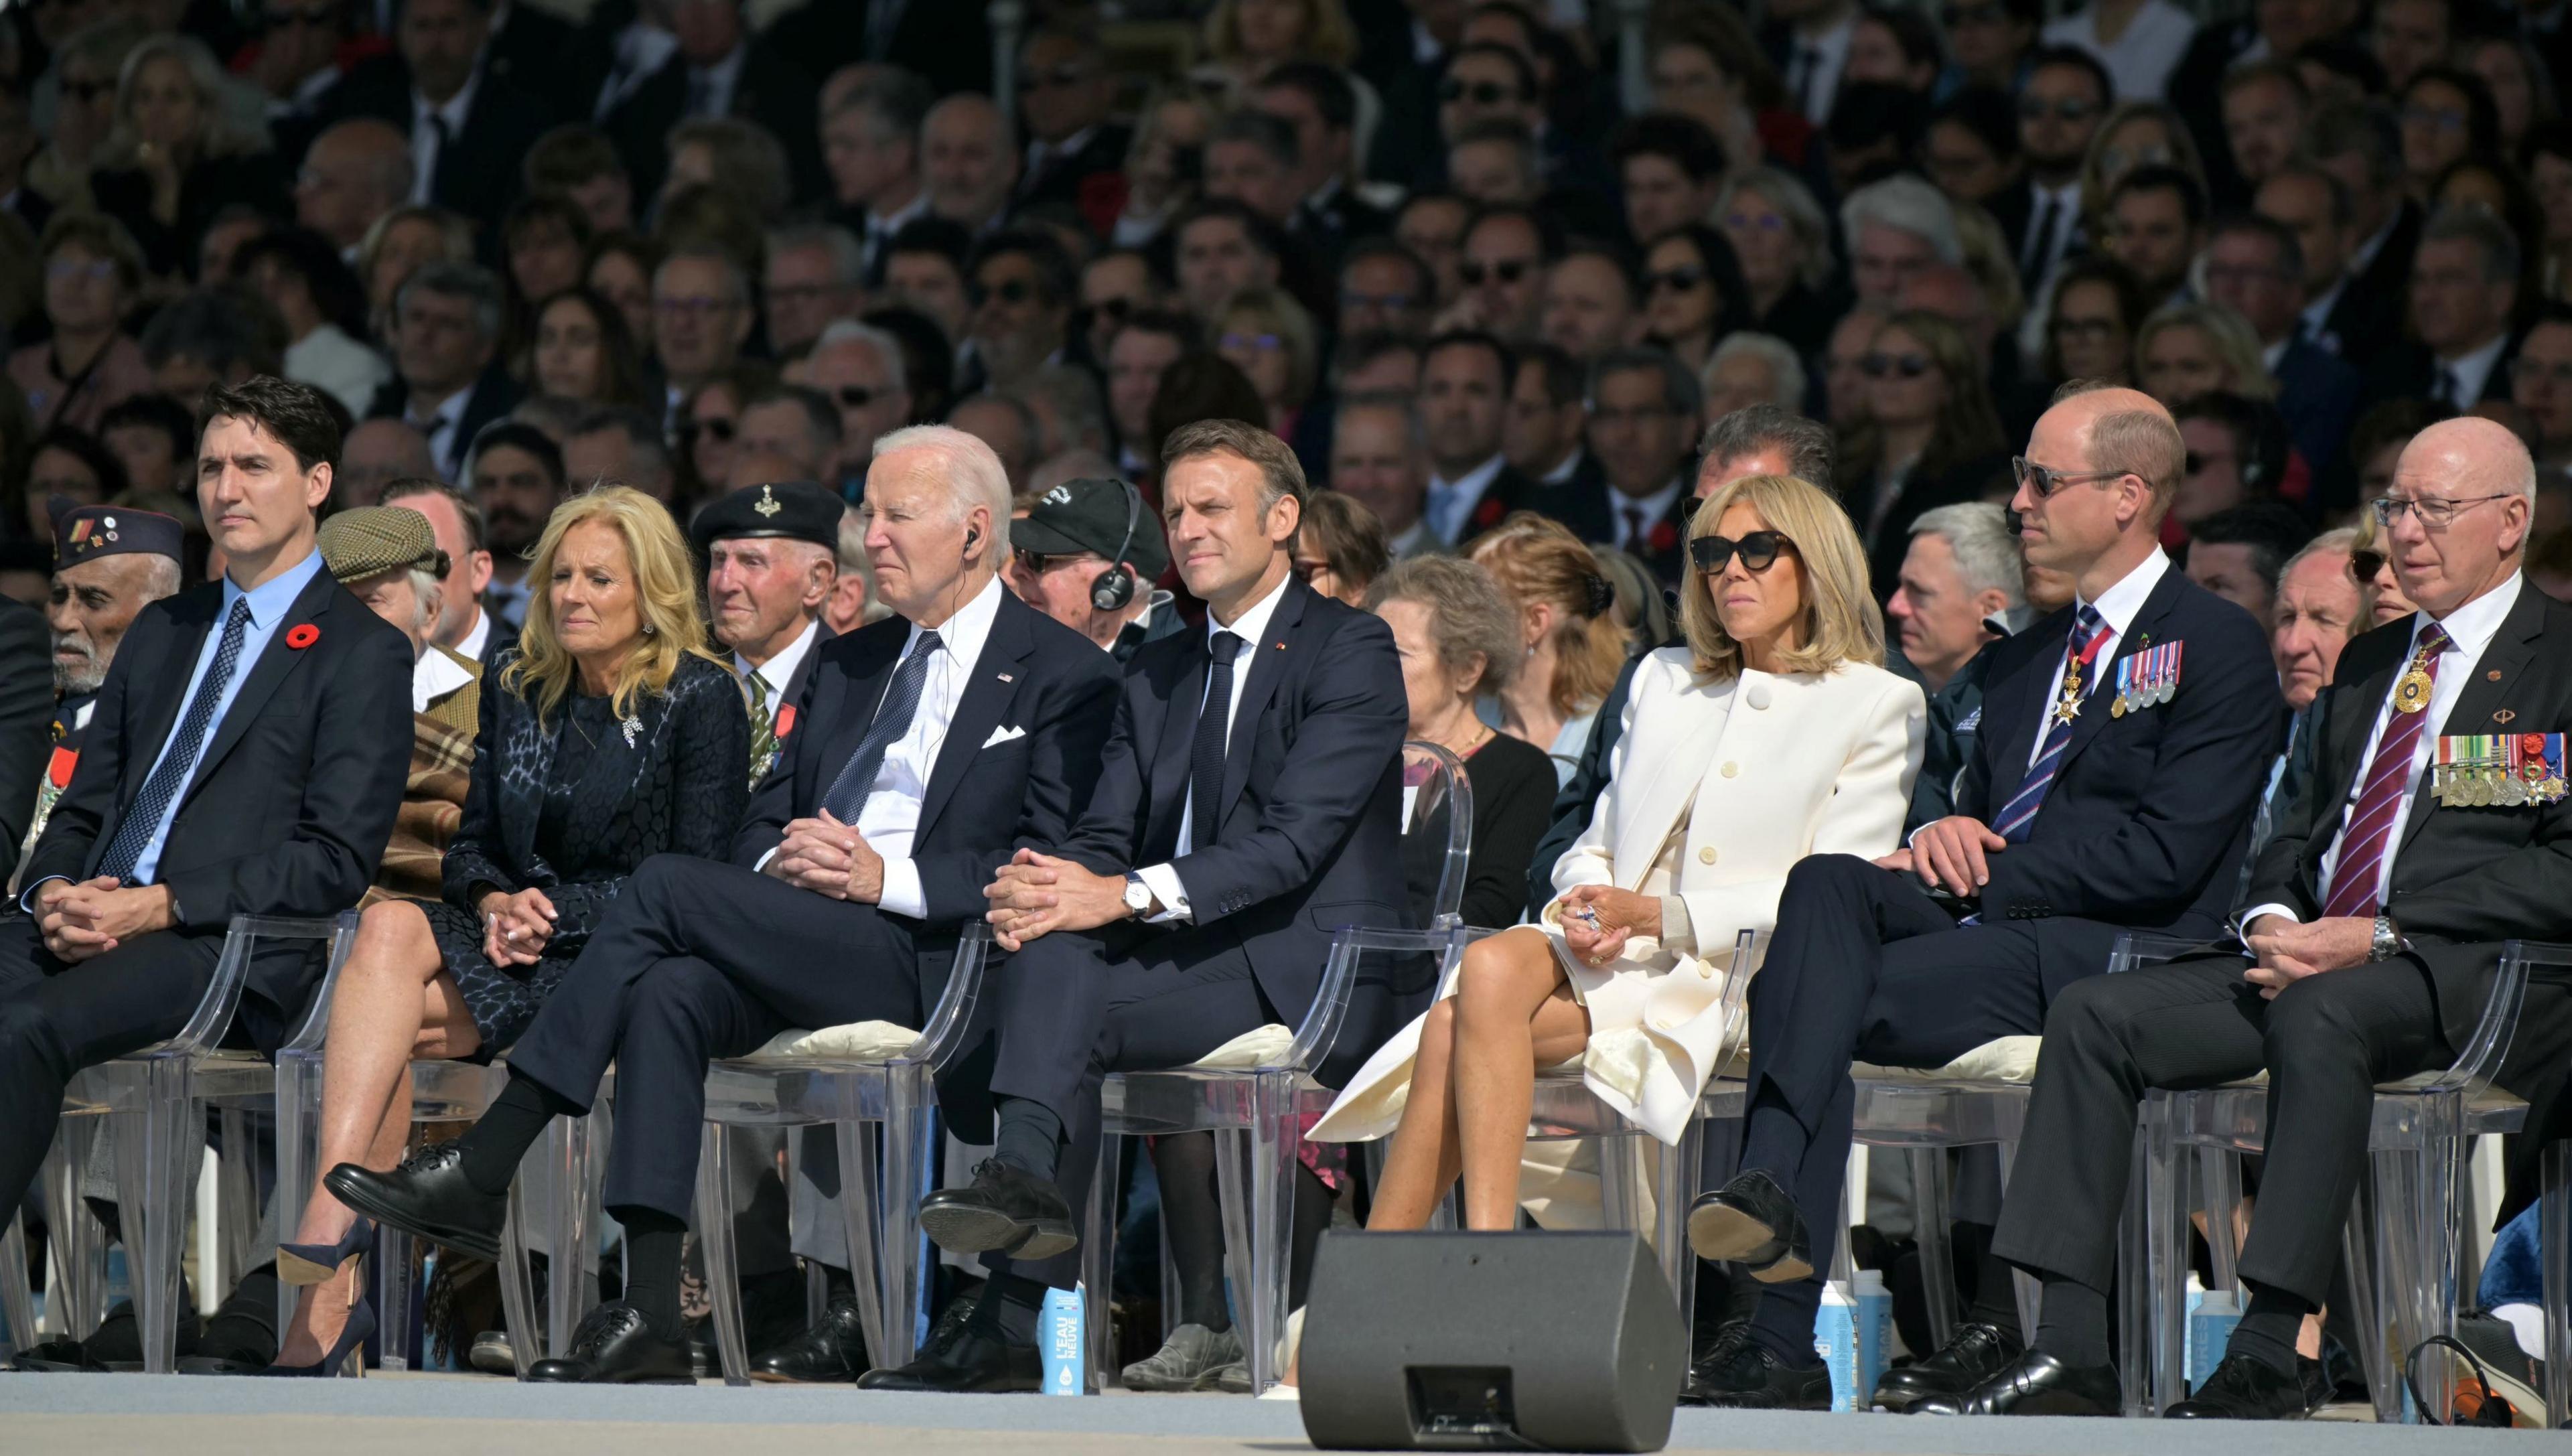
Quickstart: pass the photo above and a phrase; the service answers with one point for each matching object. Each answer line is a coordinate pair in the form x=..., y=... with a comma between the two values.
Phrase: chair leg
x=154, y=1152
x=860, y=1212
x=2221, y=1170
x=2023, y=1285
x=2554, y=1252
x=2438, y=1166
x=517, y=1280
x=1272, y=1144
x=715, y=1239
x=17, y=1299
x=2365, y=1316
x=1929, y=1204
x=235, y=1201
x=2166, y=1238
x=574, y=1239
x=396, y=1290
x=1098, y=1261
x=1673, y=1189
x=299, y=1109
x=910, y=1144
x=2137, y=1297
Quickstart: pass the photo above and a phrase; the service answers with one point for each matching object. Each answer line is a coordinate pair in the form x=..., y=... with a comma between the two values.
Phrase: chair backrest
x=2479, y=1060
x=943, y=1037
x=1437, y=831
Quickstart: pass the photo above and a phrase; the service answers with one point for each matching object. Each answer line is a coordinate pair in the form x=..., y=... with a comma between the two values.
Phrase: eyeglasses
x=1481, y=93
x=1264, y=342
x=1759, y=551
x=1886, y=366
x=720, y=428
x=1508, y=271
x=2435, y=514
x=2068, y=108
x=1764, y=223
x=2364, y=567
x=1014, y=292
x=859, y=396
x=2198, y=463
x=95, y=270
x=2045, y=483
x=1307, y=569
x=1677, y=279
x=85, y=91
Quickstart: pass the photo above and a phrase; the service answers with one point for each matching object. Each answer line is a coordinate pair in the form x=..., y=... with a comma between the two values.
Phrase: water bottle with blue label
x=2210, y=1329
x=1062, y=1333
x=1874, y=1333
x=2189, y=1297
x=1836, y=1341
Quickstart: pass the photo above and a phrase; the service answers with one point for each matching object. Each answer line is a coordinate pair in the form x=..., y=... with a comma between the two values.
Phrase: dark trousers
x=57, y=1018
x=700, y=960
x=1865, y=966
x=2325, y=1042
x=1074, y=1008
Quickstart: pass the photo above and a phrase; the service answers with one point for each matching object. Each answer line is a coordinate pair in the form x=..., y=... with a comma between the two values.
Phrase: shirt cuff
x=762, y=866
x=1677, y=934
x=1164, y=884
x=901, y=892
x=2241, y=922
x=27, y=897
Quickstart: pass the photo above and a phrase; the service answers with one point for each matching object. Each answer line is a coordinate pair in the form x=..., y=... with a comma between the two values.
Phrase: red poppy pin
x=1488, y=513
x=1665, y=537
x=785, y=720
x=302, y=635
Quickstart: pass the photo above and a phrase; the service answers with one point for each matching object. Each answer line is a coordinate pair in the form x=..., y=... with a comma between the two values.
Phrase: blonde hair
x=1841, y=621
x=2227, y=332
x=665, y=595
x=1533, y=559
x=1274, y=310
x=1328, y=33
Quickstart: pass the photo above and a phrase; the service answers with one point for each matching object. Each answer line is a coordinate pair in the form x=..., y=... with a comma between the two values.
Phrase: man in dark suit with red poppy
x=1644, y=410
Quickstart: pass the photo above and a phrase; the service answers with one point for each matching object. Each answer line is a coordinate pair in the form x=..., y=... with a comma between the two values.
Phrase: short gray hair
x=848, y=260
x=1784, y=364
x=470, y=281
x=1905, y=204
x=887, y=348
x=1468, y=615
x=2343, y=539
x=2472, y=222
x=1806, y=444
x=971, y=469
x=1986, y=552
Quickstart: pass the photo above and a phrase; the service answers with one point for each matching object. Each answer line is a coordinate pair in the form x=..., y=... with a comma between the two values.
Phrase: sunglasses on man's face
x=1475, y=274
x=1014, y=292
x=1886, y=366
x=859, y=396
x=1037, y=563
x=1059, y=75
x=1481, y=93
x=717, y=429
x=1678, y=279
x=1759, y=551
x=2364, y=566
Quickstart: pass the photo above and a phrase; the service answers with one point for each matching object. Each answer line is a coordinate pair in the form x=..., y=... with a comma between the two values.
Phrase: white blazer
x=1777, y=768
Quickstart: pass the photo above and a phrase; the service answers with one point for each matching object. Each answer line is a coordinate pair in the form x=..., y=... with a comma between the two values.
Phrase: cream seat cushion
x=855, y=1042
x=2006, y=1059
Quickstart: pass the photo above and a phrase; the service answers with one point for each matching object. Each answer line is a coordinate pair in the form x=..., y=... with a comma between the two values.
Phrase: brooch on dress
x=633, y=727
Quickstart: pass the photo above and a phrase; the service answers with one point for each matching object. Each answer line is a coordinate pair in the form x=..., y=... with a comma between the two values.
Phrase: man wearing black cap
x=110, y=563
x=1087, y=555
x=771, y=555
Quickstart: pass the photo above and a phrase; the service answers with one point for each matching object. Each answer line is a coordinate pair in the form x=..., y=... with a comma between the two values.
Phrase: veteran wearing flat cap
x=1086, y=553
x=772, y=554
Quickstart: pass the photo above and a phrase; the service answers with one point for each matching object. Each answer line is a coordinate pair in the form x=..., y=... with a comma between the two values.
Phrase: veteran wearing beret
x=1086, y=553
x=110, y=562
x=772, y=558
x=388, y=558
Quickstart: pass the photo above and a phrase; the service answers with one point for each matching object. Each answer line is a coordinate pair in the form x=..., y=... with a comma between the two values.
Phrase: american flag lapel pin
x=1004, y=677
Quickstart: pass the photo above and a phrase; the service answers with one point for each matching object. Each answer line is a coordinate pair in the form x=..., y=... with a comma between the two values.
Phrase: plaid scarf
x=442, y=765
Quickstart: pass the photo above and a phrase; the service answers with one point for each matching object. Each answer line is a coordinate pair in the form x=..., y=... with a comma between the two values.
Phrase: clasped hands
x=1037, y=894
x=1952, y=854
x=2285, y=952
x=829, y=858
x=515, y=927
x=1598, y=921
x=92, y=917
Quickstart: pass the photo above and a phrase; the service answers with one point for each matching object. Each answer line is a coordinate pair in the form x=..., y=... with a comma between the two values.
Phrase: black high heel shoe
x=301, y=1264
x=360, y=1325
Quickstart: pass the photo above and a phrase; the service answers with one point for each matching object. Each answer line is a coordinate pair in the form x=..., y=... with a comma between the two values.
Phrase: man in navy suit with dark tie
x=1249, y=805
x=2108, y=790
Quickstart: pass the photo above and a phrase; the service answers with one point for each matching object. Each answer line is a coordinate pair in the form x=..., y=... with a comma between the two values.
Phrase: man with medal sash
x=2433, y=830
x=2072, y=823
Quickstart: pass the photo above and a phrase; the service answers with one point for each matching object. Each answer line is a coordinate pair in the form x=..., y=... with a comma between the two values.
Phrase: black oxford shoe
x=2036, y=1383
x=1004, y=1210
x=2244, y=1389
x=614, y=1346
x=1752, y=1222
x=430, y=1197
x=1740, y=1373
x=1976, y=1354
x=832, y=1349
x=973, y=1362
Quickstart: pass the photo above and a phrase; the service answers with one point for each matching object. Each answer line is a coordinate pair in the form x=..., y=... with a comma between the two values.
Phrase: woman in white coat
x=1773, y=733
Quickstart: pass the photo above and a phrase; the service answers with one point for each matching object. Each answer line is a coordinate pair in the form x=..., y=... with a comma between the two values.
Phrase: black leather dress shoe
x=1976, y=1354
x=614, y=1346
x=2244, y=1389
x=832, y=1349
x=1005, y=1210
x=56, y=1357
x=428, y=1196
x=973, y=1362
x=2036, y=1383
x=1752, y=1222
x=1740, y=1373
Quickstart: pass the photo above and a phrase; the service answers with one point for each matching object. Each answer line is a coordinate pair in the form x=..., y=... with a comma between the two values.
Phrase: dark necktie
x=1808, y=78
x=846, y=796
x=179, y=760
x=1635, y=529
x=2089, y=634
x=438, y=159
x=1214, y=732
x=2449, y=388
x=2040, y=240
x=701, y=93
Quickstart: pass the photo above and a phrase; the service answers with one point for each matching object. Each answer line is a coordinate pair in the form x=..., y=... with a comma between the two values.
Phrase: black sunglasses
x=1015, y=290
x=1886, y=366
x=1037, y=563
x=2044, y=483
x=859, y=396
x=1483, y=93
x=2193, y=462
x=1115, y=309
x=1678, y=279
x=85, y=92
x=1759, y=551
x=2364, y=567
x=721, y=430
x=1510, y=271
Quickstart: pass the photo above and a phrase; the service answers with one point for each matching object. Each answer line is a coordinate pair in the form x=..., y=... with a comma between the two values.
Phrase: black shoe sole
x=360, y=1196
x=1720, y=1231
x=961, y=1228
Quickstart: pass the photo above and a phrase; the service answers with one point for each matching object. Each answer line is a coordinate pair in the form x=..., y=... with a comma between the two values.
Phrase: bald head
x=2477, y=477
x=967, y=160
x=2115, y=456
x=353, y=174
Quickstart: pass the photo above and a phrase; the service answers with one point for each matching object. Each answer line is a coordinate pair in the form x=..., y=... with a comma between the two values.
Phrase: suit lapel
x=2494, y=680
x=276, y=660
x=860, y=688
x=1269, y=658
x=988, y=695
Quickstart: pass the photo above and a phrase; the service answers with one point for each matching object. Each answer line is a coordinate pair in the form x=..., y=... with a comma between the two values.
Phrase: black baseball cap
x=1107, y=518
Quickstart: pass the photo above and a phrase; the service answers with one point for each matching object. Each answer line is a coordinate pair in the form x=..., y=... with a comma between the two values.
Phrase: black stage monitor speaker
x=1436, y=1341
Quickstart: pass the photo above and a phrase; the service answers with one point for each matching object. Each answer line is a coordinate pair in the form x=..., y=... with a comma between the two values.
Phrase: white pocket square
x=1002, y=735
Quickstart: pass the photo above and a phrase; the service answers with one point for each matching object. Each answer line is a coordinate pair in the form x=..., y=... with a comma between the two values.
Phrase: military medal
x=2068, y=707
x=2411, y=694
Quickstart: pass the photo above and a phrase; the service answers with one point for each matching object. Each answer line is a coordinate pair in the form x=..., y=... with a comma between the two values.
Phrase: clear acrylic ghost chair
x=2401, y=1241
x=2554, y=1243
x=1257, y=1112
x=1927, y=1114
x=886, y=1103
x=76, y=1294
x=158, y=1098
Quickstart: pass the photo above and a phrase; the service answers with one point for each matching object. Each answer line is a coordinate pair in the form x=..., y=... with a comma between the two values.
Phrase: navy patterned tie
x=847, y=797
x=1214, y=732
x=179, y=761
x=2018, y=817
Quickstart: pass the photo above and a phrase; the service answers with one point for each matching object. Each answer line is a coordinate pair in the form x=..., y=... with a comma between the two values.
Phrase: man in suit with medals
x=934, y=744
x=2434, y=829
x=772, y=556
x=2106, y=792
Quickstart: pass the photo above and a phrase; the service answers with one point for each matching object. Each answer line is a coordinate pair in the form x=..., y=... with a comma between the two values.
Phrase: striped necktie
x=2371, y=825
x=2089, y=634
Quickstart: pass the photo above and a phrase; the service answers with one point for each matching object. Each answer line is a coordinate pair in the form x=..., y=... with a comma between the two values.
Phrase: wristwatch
x=1138, y=896
x=2388, y=943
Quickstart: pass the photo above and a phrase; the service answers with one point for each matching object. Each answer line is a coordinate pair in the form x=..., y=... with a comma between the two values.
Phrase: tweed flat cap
x=373, y=539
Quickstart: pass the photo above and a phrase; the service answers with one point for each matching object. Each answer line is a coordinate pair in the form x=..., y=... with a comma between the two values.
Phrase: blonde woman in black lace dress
x=609, y=736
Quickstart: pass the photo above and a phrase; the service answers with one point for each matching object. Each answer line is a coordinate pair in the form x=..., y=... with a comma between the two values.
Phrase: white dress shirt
x=2470, y=629
x=508, y=599
x=2471, y=372
x=423, y=132
x=2059, y=208
x=891, y=820
x=642, y=49
x=1253, y=628
x=1451, y=503
x=2315, y=318
x=434, y=676
x=1814, y=90
x=779, y=670
x=2117, y=607
x=440, y=426
x=1562, y=473
x=712, y=87
x=475, y=641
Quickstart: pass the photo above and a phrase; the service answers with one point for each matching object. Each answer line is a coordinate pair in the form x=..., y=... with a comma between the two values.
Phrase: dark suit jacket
x=499, y=639
x=985, y=801
x=770, y=91
x=2386, y=283
x=2410, y=371
x=1591, y=508
x=2318, y=392
x=211, y=185
x=2144, y=824
x=25, y=715
x=1059, y=179
x=1921, y=492
x=496, y=393
x=292, y=804
x=1308, y=837
x=478, y=171
x=948, y=45
x=528, y=54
